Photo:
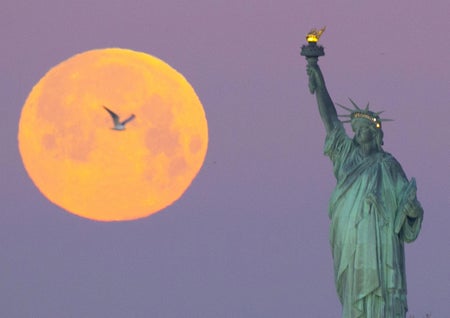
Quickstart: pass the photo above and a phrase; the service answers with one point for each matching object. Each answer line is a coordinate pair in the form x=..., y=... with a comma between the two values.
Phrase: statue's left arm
x=409, y=214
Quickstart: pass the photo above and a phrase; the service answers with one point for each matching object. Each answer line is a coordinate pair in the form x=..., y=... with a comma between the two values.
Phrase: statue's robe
x=373, y=211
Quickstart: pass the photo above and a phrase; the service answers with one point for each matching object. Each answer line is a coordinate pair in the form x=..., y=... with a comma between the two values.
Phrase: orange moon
x=75, y=158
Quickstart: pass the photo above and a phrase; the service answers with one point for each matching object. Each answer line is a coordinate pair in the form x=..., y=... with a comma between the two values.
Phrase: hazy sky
x=250, y=236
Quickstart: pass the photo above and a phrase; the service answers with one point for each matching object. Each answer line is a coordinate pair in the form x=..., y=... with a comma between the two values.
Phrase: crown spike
x=346, y=108
x=367, y=106
x=387, y=119
x=354, y=104
x=345, y=115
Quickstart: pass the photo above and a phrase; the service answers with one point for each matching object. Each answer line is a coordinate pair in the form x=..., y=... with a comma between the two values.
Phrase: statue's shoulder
x=386, y=155
x=337, y=142
x=388, y=158
x=391, y=163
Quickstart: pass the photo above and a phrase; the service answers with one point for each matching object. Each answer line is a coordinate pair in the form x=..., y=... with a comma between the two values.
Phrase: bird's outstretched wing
x=114, y=116
x=128, y=119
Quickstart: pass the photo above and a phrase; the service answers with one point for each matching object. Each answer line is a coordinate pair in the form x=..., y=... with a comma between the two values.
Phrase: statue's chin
x=367, y=147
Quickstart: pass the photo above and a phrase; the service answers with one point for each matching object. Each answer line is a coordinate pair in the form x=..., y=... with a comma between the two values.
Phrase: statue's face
x=363, y=130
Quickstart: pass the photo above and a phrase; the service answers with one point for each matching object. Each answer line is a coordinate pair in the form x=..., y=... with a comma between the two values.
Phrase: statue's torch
x=312, y=51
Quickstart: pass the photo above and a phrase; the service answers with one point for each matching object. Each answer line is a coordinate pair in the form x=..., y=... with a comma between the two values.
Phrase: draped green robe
x=373, y=211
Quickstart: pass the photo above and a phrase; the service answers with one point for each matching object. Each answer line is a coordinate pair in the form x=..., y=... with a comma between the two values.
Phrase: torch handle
x=312, y=64
x=312, y=61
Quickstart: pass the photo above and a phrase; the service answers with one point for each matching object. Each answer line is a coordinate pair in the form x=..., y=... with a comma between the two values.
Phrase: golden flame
x=314, y=35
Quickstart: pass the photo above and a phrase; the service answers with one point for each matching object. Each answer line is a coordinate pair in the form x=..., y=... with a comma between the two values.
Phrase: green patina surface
x=373, y=211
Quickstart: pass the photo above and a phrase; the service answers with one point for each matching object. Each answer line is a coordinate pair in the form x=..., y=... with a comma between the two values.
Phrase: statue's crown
x=366, y=113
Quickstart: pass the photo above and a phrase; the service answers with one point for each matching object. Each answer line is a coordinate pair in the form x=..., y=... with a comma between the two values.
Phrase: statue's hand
x=413, y=208
x=315, y=77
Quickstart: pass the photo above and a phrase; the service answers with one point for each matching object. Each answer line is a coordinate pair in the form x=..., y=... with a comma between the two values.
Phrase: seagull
x=117, y=124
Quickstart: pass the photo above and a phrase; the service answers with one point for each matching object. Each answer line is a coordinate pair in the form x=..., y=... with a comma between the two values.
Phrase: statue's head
x=367, y=134
x=366, y=125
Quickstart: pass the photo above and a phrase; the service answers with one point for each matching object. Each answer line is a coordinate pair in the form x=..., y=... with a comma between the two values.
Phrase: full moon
x=78, y=162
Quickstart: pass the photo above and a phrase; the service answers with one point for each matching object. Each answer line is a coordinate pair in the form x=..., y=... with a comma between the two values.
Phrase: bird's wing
x=114, y=116
x=128, y=119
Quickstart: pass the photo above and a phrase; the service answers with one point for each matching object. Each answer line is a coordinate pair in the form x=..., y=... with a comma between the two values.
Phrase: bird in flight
x=118, y=125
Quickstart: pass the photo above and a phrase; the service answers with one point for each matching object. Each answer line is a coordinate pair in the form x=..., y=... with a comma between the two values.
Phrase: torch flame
x=314, y=35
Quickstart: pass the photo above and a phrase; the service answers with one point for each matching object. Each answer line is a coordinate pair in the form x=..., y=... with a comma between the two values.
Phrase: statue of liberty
x=373, y=209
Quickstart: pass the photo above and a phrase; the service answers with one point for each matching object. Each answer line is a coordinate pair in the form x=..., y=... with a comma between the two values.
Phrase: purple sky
x=250, y=236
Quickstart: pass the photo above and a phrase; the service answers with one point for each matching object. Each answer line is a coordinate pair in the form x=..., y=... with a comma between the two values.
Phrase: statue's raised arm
x=317, y=86
x=311, y=52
